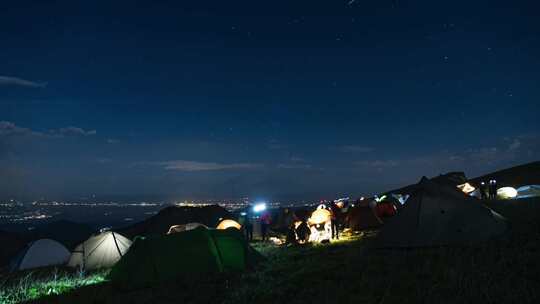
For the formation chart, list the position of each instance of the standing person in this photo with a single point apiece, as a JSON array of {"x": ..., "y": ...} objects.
[
  {"x": 483, "y": 193},
  {"x": 334, "y": 212},
  {"x": 248, "y": 225},
  {"x": 494, "y": 189},
  {"x": 490, "y": 189},
  {"x": 265, "y": 223}
]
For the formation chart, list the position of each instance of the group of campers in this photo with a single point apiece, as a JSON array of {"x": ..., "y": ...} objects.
[
  {"x": 247, "y": 220},
  {"x": 326, "y": 222},
  {"x": 488, "y": 191},
  {"x": 300, "y": 227}
]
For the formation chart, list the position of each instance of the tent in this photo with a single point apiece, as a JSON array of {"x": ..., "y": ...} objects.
[
  {"x": 185, "y": 227},
  {"x": 438, "y": 215},
  {"x": 362, "y": 217},
  {"x": 225, "y": 224},
  {"x": 506, "y": 193},
  {"x": 100, "y": 251},
  {"x": 156, "y": 259},
  {"x": 385, "y": 209},
  {"x": 40, "y": 253},
  {"x": 466, "y": 188},
  {"x": 320, "y": 216},
  {"x": 528, "y": 191}
]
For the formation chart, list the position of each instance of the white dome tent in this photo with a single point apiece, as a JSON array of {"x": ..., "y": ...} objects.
[
  {"x": 40, "y": 253},
  {"x": 100, "y": 251},
  {"x": 506, "y": 193}
]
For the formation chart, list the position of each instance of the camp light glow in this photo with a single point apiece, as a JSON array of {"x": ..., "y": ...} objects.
[{"x": 259, "y": 207}]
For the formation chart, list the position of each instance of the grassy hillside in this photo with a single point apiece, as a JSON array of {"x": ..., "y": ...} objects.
[{"x": 348, "y": 271}]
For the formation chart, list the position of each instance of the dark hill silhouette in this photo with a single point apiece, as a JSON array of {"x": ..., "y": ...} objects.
[
  {"x": 12, "y": 243},
  {"x": 174, "y": 215},
  {"x": 526, "y": 174},
  {"x": 69, "y": 233},
  {"x": 449, "y": 179}
]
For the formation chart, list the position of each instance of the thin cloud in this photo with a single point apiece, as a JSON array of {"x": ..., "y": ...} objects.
[
  {"x": 295, "y": 159},
  {"x": 73, "y": 131},
  {"x": 379, "y": 164},
  {"x": 10, "y": 129},
  {"x": 274, "y": 144},
  {"x": 515, "y": 144},
  {"x": 15, "y": 81},
  {"x": 355, "y": 149},
  {"x": 112, "y": 141},
  {"x": 104, "y": 160},
  {"x": 193, "y": 166},
  {"x": 294, "y": 166}
]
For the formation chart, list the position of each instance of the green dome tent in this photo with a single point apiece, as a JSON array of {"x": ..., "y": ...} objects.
[{"x": 161, "y": 258}]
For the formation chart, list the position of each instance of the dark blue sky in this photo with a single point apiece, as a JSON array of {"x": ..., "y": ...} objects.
[{"x": 278, "y": 99}]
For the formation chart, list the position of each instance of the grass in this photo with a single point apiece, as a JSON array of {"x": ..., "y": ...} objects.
[
  {"x": 348, "y": 271},
  {"x": 33, "y": 285}
]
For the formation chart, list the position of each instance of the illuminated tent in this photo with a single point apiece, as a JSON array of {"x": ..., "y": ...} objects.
[
  {"x": 320, "y": 225},
  {"x": 185, "y": 227},
  {"x": 320, "y": 216},
  {"x": 100, "y": 251},
  {"x": 528, "y": 191},
  {"x": 40, "y": 253},
  {"x": 506, "y": 193},
  {"x": 437, "y": 215},
  {"x": 226, "y": 224},
  {"x": 199, "y": 251},
  {"x": 466, "y": 188},
  {"x": 362, "y": 217}
]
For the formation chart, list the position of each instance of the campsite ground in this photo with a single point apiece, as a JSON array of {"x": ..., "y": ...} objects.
[{"x": 347, "y": 271}]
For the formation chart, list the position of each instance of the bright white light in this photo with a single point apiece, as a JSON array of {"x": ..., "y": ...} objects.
[
  {"x": 243, "y": 214},
  {"x": 259, "y": 207}
]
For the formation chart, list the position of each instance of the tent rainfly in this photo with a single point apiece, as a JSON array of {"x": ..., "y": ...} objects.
[
  {"x": 40, "y": 253},
  {"x": 437, "y": 215},
  {"x": 100, "y": 251},
  {"x": 362, "y": 217},
  {"x": 528, "y": 191},
  {"x": 198, "y": 251},
  {"x": 226, "y": 224}
]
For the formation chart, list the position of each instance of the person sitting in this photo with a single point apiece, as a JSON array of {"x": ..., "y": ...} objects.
[
  {"x": 291, "y": 236},
  {"x": 303, "y": 232}
]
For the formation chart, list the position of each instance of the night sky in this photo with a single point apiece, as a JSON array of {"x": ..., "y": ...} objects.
[{"x": 278, "y": 100}]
